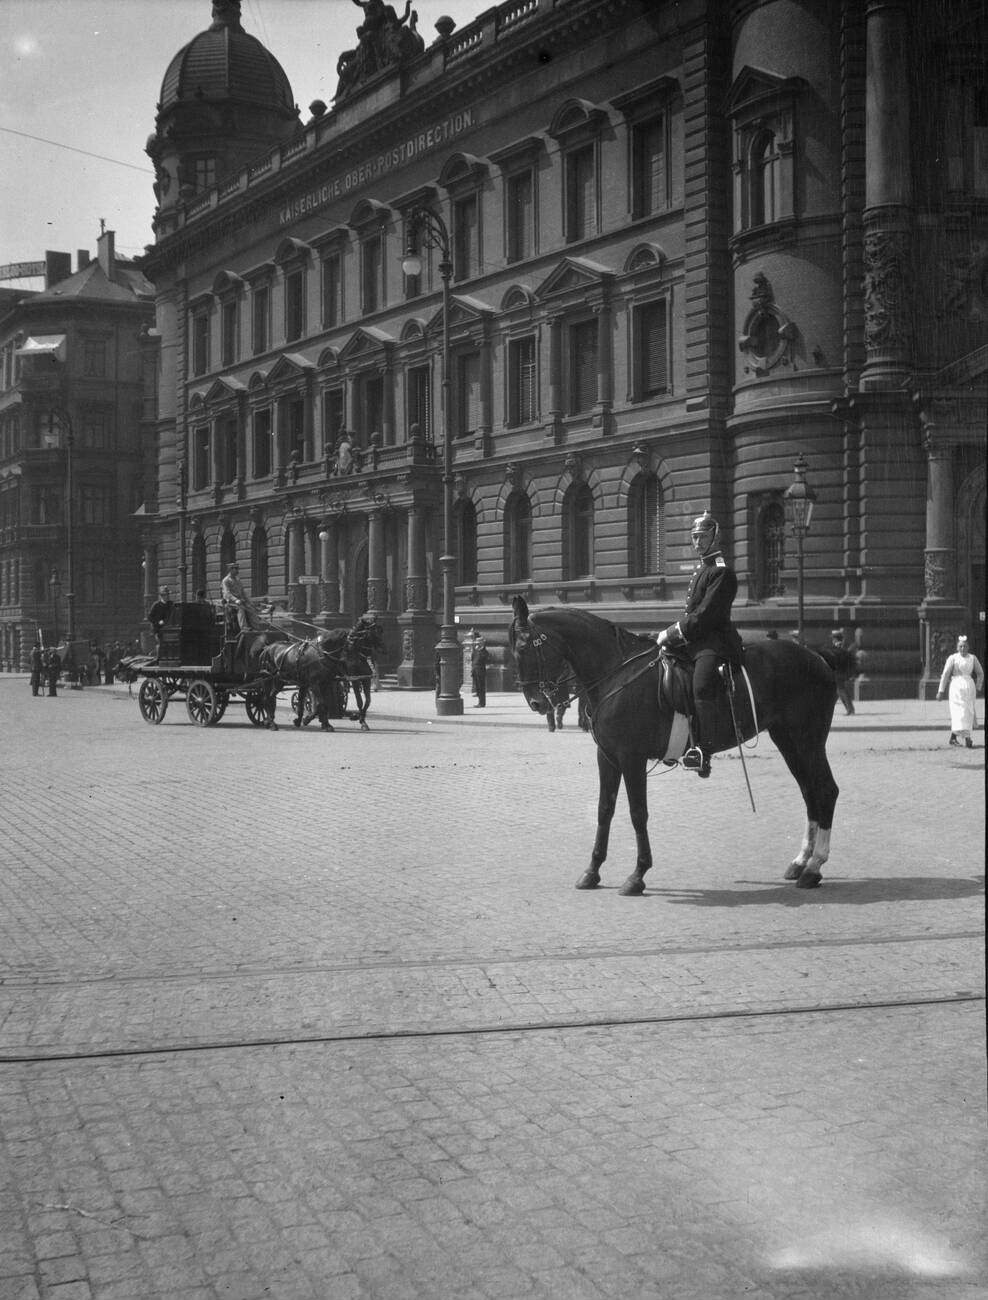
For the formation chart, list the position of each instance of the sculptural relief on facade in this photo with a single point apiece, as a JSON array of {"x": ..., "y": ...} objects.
[
  {"x": 885, "y": 300},
  {"x": 383, "y": 39}
]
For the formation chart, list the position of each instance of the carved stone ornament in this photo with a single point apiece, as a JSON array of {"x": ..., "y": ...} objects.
[
  {"x": 383, "y": 40},
  {"x": 965, "y": 284},
  {"x": 885, "y": 297},
  {"x": 937, "y": 571},
  {"x": 460, "y": 484},
  {"x": 574, "y": 466},
  {"x": 415, "y": 593},
  {"x": 641, "y": 454},
  {"x": 511, "y": 473},
  {"x": 768, "y": 334}
]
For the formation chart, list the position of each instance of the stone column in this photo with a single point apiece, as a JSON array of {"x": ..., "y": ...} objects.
[
  {"x": 483, "y": 435},
  {"x": 296, "y": 603},
  {"x": 605, "y": 379},
  {"x": 888, "y": 199},
  {"x": 377, "y": 582},
  {"x": 387, "y": 405},
  {"x": 940, "y": 615},
  {"x": 329, "y": 568},
  {"x": 417, "y": 625},
  {"x": 553, "y": 427}
]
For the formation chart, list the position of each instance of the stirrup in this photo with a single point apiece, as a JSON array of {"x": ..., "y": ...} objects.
[{"x": 696, "y": 760}]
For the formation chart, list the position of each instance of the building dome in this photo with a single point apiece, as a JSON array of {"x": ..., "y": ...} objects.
[{"x": 228, "y": 64}]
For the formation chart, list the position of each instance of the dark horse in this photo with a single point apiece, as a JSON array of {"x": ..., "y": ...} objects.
[
  {"x": 299, "y": 663},
  {"x": 633, "y": 724},
  {"x": 356, "y": 651}
]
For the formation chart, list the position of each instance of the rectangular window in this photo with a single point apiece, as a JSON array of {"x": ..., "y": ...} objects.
[
  {"x": 520, "y": 216},
  {"x": 200, "y": 458},
  {"x": 582, "y": 367},
  {"x": 581, "y": 196},
  {"x": 205, "y": 174},
  {"x": 332, "y": 291},
  {"x": 259, "y": 335},
  {"x": 370, "y": 405},
  {"x": 293, "y": 412},
  {"x": 94, "y": 358},
  {"x": 95, "y": 430},
  {"x": 332, "y": 418},
  {"x": 200, "y": 343},
  {"x": 228, "y": 330},
  {"x": 522, "y": 403},
  {"x": 651, "y": 350},
  {"x": 370, "y": 269},
  {"x": 93, "y": 581},
  {"x": 419, "y": 389},
  {"x": 648, "y": 181},
  {"x": 228, "y": 451},
  {"x": 261, "y": 449},
  {"x": 294, "y": 305},
  {"x": 467, "y": 399},
  {"x": 466, "y": 237},
  {"x": 94, "y": 503}
]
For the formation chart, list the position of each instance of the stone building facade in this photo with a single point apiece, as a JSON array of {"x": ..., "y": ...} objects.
[
  {"x": 72, "y": 359},
  {"x": 688, "y": 244}
]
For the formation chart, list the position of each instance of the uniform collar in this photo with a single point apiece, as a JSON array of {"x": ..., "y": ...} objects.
[{"x": 710, "y": 556}]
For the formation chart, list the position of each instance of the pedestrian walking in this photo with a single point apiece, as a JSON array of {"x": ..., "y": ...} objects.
[
  {"x": 37, "y": 668},
  {"x": 479, "y": 660},
  {"x": 960, "y": 681}
]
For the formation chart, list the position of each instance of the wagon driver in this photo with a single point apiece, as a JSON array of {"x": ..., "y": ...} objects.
[
  {"x": 705, "y": 633},
  {"x": 236, "y": 598}
]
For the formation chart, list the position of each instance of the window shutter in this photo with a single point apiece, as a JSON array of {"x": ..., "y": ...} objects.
[
  {"x": 652, "y": 349},
  {"x": 583, "y": 366}
]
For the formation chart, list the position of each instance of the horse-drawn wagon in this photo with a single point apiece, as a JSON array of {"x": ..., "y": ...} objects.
[
  {"x": 200, "y": 661},
  {"x": 207, "y": 662}
]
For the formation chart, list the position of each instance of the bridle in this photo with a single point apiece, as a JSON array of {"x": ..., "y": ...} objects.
[{"x": 559, "y": 686}]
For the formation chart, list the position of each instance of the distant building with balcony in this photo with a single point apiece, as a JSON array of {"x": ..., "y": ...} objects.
[
  {"x": 690, "y": 243},
  {"x": 73, "y": 365}
]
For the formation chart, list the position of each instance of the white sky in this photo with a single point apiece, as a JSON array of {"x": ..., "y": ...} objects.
[{"x": 87, "y": 74}]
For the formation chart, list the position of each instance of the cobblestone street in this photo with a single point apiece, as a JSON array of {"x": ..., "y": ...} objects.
[{"x": 302, "y": 1015}]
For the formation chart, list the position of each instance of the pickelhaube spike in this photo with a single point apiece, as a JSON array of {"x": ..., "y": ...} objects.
[{"x": 705, "y": 523}]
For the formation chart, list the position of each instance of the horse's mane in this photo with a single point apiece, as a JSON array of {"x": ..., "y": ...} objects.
[{"x": 627, "y": 642}]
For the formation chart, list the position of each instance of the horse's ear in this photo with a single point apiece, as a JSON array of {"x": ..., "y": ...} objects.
[{"x": 520, "y": 608}]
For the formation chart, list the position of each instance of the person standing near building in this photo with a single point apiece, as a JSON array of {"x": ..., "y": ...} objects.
[
  {"x": 960, "y": 681},
  {"x": 37, "y": 667},
  {"x": 845, "y": 668},
  {"x": 235, "y": 598},
  {"x": 53, "y": 667},
  {"x": 479, "y": 660}
]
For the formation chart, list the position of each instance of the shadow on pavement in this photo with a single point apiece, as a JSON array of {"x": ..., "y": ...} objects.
[{"x": 835, "y": 889}]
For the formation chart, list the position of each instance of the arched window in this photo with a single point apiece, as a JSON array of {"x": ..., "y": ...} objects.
[
  {"x": 259, "y": 563},
  {"x": 517, "y": 538},
  {"x": 645, "y": 524},
  {"x": 228, "y": 550},
  {"x": 771, "y": 550},
  {"x": 466, "y": 543},
  {"x": 198, "y": 562},
  {"x": 578, "y": 557},
  {"x": 766, "y": 162}
]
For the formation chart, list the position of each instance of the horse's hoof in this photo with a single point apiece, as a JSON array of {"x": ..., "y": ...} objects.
[
  {"x": 272, "y": 726},
  {"x": 632, "y": 886},
  {"x": 795, "y": 870},
  {"x": 589, "y": 880},
  {"x": 296, "y": 722},
  {"x": 364, "y": 727},
  {"x": 809, "y": 879}
]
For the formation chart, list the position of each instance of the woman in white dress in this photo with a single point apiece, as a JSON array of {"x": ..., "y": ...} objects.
[{"x": 962, "y": 678}]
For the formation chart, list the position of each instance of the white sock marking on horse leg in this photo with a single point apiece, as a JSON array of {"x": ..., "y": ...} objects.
[
  {"x": 821, "y": 850},
  {"x": 806, "y": 848}
]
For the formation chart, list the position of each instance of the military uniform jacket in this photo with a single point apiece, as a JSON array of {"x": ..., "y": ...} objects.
[{"x": 706, "y": 623}]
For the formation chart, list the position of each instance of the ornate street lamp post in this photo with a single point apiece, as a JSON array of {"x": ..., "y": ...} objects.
[
  {"x": 799, "y": 497},
  {"x": 425, "y": 226},
  {"x": 55, "y": 588}
]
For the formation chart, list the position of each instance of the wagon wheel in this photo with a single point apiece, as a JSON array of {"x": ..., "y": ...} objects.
[
  {"x": 256, "y": 708},
  {"x": 295, "y": 701},
  {"x": 152, "y": 700},
  {"x": 342, "y": 694},
  {"x": 222, "y": 700},
  {"x": 201, "y": 703}
]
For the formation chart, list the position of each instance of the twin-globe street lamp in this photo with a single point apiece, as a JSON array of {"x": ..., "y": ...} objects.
[
  {"x": 425, "y": 226},
  {"x": 799, "y": 498}
]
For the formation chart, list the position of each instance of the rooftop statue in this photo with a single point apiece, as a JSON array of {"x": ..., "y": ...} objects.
[{"x": 383, "y": 39}]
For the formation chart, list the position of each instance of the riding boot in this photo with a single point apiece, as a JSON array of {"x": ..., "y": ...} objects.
[{"x": 697, "y": 759}]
